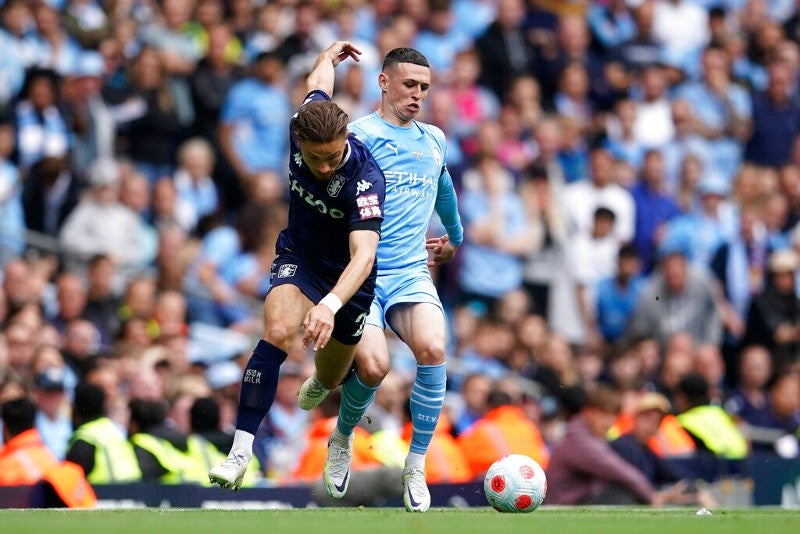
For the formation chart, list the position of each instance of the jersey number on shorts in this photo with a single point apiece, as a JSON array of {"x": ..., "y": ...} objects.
[{"x": 361, "y": 320}]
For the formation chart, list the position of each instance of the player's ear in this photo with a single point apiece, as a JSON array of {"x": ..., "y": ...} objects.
[{"x": 383, "y": 81}]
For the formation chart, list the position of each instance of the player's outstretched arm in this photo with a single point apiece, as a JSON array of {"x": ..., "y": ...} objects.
[
  {"x": 321, "y": 76},
  {"x": 318, "y": 323}
]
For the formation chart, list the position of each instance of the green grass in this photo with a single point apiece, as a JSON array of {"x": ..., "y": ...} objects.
[{"x": 395, "y": 521}]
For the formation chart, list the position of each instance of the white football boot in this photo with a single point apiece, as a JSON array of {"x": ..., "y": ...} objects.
[
  {"x": 229, "y": 474},
  {"x": 416, "y": 496},
  {"x": 336, "y": 473}
]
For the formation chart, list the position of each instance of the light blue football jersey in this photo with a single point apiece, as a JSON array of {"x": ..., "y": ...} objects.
[{"x": 417, "y": 182}]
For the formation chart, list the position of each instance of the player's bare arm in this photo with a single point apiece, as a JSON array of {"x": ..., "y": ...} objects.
[
  {"x": 321, "y": 76},
  {"x": 318, "y": 322}
]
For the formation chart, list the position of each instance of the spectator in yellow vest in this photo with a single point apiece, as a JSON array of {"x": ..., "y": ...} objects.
[
  {"x": 162, "y": 451},
  {"x": 711, "y": 427},
  {"x": 98, "y": 445}
]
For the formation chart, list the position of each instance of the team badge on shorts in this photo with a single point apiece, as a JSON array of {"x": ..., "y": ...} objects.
[{"x": 287, "y": 271}]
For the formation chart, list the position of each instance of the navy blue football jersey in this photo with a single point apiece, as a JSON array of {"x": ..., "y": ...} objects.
[{"x": 323, "y": 213}]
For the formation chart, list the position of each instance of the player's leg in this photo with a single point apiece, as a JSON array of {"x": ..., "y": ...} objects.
[
  {"x": 358, "y": 390},
  {"x": 356, "y": 397},
  {"x": 331, "y": 365},
  {"x": 371, "y": 370},
  {"x": 333, "y": 362},
  {"x": 372, "y": 364},
  {"x": 284, "y": 310},
  {"x": 422, "y": 327},
  {"x": 371, "y": 354}
]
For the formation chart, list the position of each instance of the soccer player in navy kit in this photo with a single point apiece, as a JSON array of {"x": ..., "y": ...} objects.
[
  {"x": 323, "y": 278},
  {"x": 412, "y": 156}
]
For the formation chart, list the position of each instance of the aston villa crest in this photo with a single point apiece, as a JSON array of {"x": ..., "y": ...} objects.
[{"x": 335, "y": 185}]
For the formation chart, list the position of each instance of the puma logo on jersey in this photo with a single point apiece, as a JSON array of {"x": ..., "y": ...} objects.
[{"x": 393, "y": 148}]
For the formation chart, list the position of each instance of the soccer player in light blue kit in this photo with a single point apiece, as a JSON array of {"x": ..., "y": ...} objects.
[{"x": 412, "y": 157}]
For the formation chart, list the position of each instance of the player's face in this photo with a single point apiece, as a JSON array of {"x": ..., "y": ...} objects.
[
  {"x": 405, "y": 86},
  {"x": 323, "y": 158}
]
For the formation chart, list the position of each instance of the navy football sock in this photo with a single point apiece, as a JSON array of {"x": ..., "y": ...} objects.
[{"x": 259, "y": 383}]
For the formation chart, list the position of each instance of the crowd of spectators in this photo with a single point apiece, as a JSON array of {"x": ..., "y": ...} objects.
[{"x": 629, "y": 181}]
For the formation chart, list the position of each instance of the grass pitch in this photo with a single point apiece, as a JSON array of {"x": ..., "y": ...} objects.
[{"x": 394, "y": 521}]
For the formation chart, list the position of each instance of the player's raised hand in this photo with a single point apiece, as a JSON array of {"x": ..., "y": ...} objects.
[
  {"x": 321, "y": 77},
  {"x": 341, "y": 50},
  {"x": 442, "y": 250},
  {"x": 318, "y": 326}
]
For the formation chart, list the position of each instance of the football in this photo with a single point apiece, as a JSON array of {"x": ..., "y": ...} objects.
[{"x": 515, "y": 484}]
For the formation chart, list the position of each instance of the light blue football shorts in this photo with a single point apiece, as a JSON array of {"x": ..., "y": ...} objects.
[{"x": 401, "y": 287}]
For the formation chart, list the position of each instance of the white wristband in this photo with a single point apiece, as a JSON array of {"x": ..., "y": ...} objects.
[{"x": 333, "y": 302}]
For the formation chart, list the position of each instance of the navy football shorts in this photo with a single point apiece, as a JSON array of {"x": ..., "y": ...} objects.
[{"x": 315, "y": 283}]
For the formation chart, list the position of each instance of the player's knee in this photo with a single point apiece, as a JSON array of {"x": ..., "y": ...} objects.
[
  {"x": 431, "y": 354},
  {"x": 372, "y": 371},
  {"x": 279, "y": 335}
]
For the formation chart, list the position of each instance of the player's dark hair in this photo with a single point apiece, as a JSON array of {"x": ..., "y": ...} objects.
[
  {"x": 320, "y": 121},
  {"x": 404, "y": 55}
]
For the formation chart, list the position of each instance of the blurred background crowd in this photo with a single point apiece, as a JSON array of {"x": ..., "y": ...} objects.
[{"x": 629, "y": 181}]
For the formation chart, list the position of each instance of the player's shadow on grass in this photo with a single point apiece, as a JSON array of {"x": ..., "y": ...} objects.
[{"x": 380, "y": 486}]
